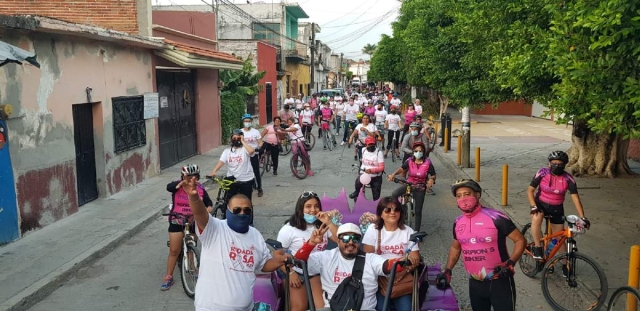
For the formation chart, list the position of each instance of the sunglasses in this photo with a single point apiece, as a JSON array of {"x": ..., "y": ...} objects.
[
  {"x": 245, "y": 210},
  {"x": 345, "y": 238},
  {"x": 308, "y": 194},
  {"x": 388, "y": 210}
]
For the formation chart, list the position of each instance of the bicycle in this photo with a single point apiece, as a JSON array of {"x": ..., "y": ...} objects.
[
  {"x": 299, "y": 164},
  {"x": 630, "y": 293},
  {"x": 190, "y": 263},
  {"x": 286, "y": 146},
  {"x": 551, "y": 244},
  {"x": 382, "y": 131},
  {"x": 265, "y": 161},
  {"x": 395, "y": 153},
  {"x": 309, "y": 138},
  {"x": 407, "y": 201},
  {"x": 431, "y": 134},
  {"x": 328, "y": 138},
  {"x": 220, "y": 206}
]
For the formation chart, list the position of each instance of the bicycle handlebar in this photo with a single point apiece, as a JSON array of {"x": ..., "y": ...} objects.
[
  {"x": 406, "y": 183},
  {"x": 224, "y": 183}
]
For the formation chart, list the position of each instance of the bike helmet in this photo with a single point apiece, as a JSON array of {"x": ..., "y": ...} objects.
[
  {"x": 558, "y": 155},
  {"x": 465, "y": 183},
  {"x": 237, "y": 132},
  {"x": 418, "y": 144},
  {"x": 370, "y": 141},
  {"x": 247, "y": 116},
  {"x": 190, "y": 170},
  {"x": 415, "y": 124},
  {"x": 323, "y": 99}
]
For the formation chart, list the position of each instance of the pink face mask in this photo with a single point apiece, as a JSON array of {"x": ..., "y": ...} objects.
[{"x": 467, "y": 204}]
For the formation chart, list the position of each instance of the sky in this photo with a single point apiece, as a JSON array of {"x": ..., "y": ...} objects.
[{"x": 346, "y": 25}]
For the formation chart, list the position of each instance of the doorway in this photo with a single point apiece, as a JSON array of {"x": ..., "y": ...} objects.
[
  {"x": 269, "y": 105},
  {"x": 85, "y": 153}
]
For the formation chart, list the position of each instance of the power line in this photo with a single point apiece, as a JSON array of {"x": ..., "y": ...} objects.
[
  {"x": 350, "y": 12},
  {"x": 351, "y": 24},
  {"x": 362, "y": 30},
  {"x": 357, "y": 18}
]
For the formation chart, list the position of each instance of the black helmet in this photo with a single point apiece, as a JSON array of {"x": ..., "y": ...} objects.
[
  {"x": 237, "y": 132},
  {"x": 465, "y": 183},
  {"x": 558, "y": 155},
  {"x": 415, "y": 124}
]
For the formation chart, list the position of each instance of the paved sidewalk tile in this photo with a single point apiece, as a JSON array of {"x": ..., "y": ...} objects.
[{"x": 36, "y": 264}]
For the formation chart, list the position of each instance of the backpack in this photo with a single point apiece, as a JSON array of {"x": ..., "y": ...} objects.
[{"x": 350, "y": 293}]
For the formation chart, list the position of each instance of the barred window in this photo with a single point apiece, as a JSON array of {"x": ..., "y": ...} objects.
[{"x": 129, "y": 130}]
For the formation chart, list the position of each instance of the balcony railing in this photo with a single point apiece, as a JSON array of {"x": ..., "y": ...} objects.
[{"x": 297, "y": 51}]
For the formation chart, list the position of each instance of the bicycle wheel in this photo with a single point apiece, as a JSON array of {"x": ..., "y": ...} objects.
[
  {"x": 622, "y": 297},
  {"x": 329, "y": 141},
  {"x": 310, "y": 142},
  {"x": 263, "y": 164},
  {"x": 433, "y": 138},
  {"x": 585, "y": 287},
  {"x": 189, "y": 270},
  {"x": 286, "y": 147},
  {"x": 529, "y": 266},
  {"x": 409, "y": 213},
  {"x": 219, "y": 211},
  {"x": 269, "y": 163},
  {"x": 393, "y": 149},
  {"x": 299, "y": 166}
]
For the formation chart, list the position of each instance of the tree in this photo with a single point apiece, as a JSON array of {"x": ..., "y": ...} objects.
[
  {"x": 369, "y": 49},
  {"x": 349, "y": 75},
  {"x": 386, "y": 61}
]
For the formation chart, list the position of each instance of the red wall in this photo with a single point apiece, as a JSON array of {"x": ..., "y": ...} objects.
[
  {"x": 201, "y": 24},
  {"x": 267, "y": 62},
  {"x": 506, "y": 108},
  {"x": 208, "y": 110},
  {"x": 634, "y": 149}
]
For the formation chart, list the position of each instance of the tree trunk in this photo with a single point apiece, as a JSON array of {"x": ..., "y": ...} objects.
[
  {"x": 602, "y": 155},
  {"x": 444, "y": 103}
]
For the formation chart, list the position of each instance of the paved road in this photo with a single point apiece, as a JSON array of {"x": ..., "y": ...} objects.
[{"x": 129, "y": 278}]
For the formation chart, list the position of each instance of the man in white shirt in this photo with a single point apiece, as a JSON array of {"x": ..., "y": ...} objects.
[
  {"x": 395, "y": 101},
  {"x": 237, "y": 158},
  {"x": 350, "y": 118},
  {"x": 372, "y": 165},
  {"x": 232, "y": 252},
  {"x": 380, "y": 116},
  {"x": 289, "y": 101},
  {"x": 335, "y": 265},
  {"x": 254, "y": 139}
]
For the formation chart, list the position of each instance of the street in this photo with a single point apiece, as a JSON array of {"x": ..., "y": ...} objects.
[{"x": 129, "y": 278}]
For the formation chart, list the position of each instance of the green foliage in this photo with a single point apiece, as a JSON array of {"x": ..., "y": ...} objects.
[
  {"x": 369, "y": 49},
  {"x": 386, "y": 62},
  {"x": 233, "y": 107},
  {"x": 349, "y": 75}
]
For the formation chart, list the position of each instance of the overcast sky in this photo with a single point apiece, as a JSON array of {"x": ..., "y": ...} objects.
[{"x": 347, "y": 25}]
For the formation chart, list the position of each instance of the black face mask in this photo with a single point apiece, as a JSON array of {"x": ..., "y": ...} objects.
[
  {"x": 379, "y": 108},
  {"x": 236, "y": 143},
  {"x": 393, "y": 112},
  {"x": 371, "y": 148},
  {"x": 557, "y": 169}
]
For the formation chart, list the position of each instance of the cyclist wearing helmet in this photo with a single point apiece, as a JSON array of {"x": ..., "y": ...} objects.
[
  {"x": 180, "y": 205},
  {"x": 237, "y": 158},
  {"x": 373, "y": 165},
  {"x": 254, "y": 139},
  {"x": 318, "y": 114},
  {"x": 362, "y": 131},
  {"x": 552, "y": 183},
  {"x": 414, "y": 136},
  {"x": 421, "y": 173},
  {"x": 351, "y": 111},
  {"x": 480, "y": 235},
  {"x": 325, "y": 118}
]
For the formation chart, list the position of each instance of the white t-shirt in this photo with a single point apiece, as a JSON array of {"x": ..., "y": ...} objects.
[
  {"x": 371, "y": 160},
  {"x": 392, "y": 243},
  {"x": 361, "y": 134},
  {"x": 293, "y": 239},
  {"x": 395, "y": 102},
  {"x": 333, "y": 268},
  {"x": 228, "y": 262},
  {"x": 299, "y": 104},
  {"x": 238, "y": 163},
  {"x": 297, "y": 136},
  {"x": 380, "y": 116},
  {"x": 339, "y": 109},
  {"x": 393, "y": 122},
  {"x": 306, "y": 116},
  {"x": 289, "y": 101},
  {"x": 351, "y": 111},
  {"x": 251, "y": 138},
  {"x": 418, "y": 109}
]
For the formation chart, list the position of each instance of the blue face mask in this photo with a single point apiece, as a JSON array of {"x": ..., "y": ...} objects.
[
  {"x": 418, "y": 154},
  {"x": 310, "y": 218},
  {"x": 414, "y": 133},
  {"x": 238, "y": 222}
]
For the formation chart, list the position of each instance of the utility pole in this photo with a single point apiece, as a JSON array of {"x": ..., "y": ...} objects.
[
  {"x": 340, "y": 75},
  {"x": 313, "y": 60}
]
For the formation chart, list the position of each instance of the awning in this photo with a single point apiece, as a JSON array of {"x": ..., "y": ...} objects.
[
  {"x": 14, "y": 54},
  {"x": 190, "y": 56}
]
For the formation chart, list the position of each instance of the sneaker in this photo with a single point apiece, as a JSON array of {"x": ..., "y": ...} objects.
[
  {"x": 260, "y": 193},
  {"x": 342, "y": 143},
  {"x": 275, "y": 173},
  {"x": 537, "y": 253},
  {"x": 565, "y": 270},
  {"x": 355, "y": 158},
  {"x": 324, "y": 148},
  {"x": 430, "y": 192},
  {"x": 167, "y": 283},
  {"x": 353, "y": 195}
]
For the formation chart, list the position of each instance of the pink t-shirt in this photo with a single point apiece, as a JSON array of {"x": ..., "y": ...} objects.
[
  {"x": 271, "y": 135},
  {"x": 410, "y": 116}
]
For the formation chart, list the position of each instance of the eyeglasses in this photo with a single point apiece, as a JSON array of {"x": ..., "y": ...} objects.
[
  {"x": 245, "y": 210},
  {"x": 355, "y": 238},
  {"x": 308, "y": 194},
  {"x": 388, "y": 210}
]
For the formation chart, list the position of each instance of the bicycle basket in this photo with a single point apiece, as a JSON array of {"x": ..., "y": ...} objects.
[{"x": 576, "y": 225}]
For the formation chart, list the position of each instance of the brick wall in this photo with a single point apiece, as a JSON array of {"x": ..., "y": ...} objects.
[
  {"x": 634, "y": 149},
  {"x": 113, "y": 14}
]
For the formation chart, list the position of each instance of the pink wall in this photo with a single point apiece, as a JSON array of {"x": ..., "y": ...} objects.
[
  {"x": 267, "y": 62},
  {"x": 201, "y": 24},
  {"x": 207, "y": 110}
]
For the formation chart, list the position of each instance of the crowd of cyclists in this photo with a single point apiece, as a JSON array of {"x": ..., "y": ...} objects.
[{"x": 233, "y": 250}]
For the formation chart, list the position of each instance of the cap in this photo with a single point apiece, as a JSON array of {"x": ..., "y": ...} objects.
[
  {"x": 370, "y": 141},
  {"x": 349, "y": 228}
]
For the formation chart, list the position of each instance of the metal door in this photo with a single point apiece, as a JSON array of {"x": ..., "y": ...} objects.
[
  {"x": 8, "y": 206},
  {"x": 85, "y": 153},
  {"x": 269, "y": 105},
  {"x": 177, "y": 122}
]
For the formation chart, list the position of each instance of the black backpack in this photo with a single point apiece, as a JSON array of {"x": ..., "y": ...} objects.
[{"x": 350, "y": 293}]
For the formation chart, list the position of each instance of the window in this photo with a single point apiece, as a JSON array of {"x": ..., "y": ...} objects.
[
  {"x": 267, "y": 32},
  {"x": 129, "y": 130}
]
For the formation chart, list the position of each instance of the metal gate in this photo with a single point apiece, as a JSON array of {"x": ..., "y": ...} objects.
[
  {"x": 177, "y": 120},
  {"x": 85, "y": 153},
  {"x": 269, "y": 105}
]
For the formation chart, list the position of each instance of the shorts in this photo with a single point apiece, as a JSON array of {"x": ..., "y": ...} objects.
[
  {"x": 281, "y": 274},
  {"x": 175, "y": 228},
  {"x": 556, "y": 212}
]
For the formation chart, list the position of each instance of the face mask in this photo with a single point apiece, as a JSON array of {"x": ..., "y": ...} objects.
[
  {"x": 236, "y": 143},
  {"x": 238, "y": 222},
  {"x": 307, "y": 108},
  {"x": 467, "y": 204},
  {"x": 247, "y": 124},
  {"x": 310, "y": 218},
  {"x": 371, "y": 148},
  {"x": 393, "y": 112},
  {"x": 414, "y": 133},
  {"x": 557, "y": 169},
  {"x": 380, "y": 108},
  {"x": 418, "y": 154}
]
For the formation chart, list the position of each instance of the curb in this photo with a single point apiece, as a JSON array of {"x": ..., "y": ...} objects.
[{"x": 35, "y": 293}]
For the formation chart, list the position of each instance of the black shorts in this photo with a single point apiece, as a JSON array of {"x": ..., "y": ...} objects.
[
  {"x": 175, "y": 228},
  {"x": 555, "y": 211}
]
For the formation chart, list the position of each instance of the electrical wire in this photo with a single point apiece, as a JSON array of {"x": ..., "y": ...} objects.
[
  {"x": 361, "y": 30},
  {"x": 357, "y": 18},
  {"x": 350, "y": 12}
]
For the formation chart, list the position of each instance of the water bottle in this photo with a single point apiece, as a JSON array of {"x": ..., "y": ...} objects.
[{"x": 551, "y": 245}]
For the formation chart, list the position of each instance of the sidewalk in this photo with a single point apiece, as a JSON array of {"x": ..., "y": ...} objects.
[
  {"x": 524, "y": 143},
  {"x": 34, "y": 266}
]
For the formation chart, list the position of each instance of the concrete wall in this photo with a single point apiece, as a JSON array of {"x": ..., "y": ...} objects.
[
  {"x": 242, "y": 48},
  {"x": 299, "y": 72},
  {"x": 208, "y": 110},
  {"x": 267, "y": 61},
  {"x": 41, "y": 128},
  {"x": 119, "y": 15}
]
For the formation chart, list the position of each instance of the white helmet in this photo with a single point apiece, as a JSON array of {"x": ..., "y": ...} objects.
[{"x": 190, "y": 170}]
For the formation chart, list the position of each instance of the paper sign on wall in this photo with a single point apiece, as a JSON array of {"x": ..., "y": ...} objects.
[
  {"x": 151, "y": 105},
  {"x": 164, "y": 102}
]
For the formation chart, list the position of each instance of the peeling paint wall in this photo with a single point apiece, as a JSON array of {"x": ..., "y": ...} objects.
[{"x": 42, "y": 129}]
